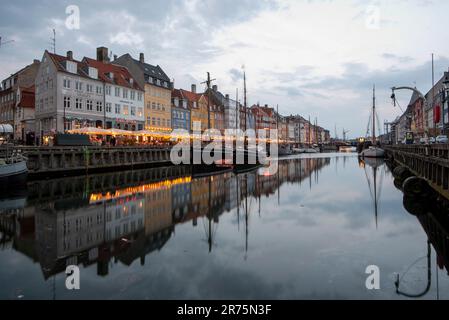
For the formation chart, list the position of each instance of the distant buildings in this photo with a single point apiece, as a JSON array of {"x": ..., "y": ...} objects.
[{"x": 60, "y": 93}]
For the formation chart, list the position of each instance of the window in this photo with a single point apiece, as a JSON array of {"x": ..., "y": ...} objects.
[
  {"x": 107, "y": 90},
  {"x": 67, "y": 83},
  {"x": 159, "y": 106},
  {"x": 168, "y": 123},
  {"x": 89, "y": 105},
  {"x": 109, "y": 107},
  {"x": 99, "y": 90},
  {"x": 79, "y": 86},
  {"x": 71, "y": 67},
  {"x": 89, "y": 88},
  {"x": 153, "y": 121},
  {"x": 66, "y": 102},
  {"x": 99, "y": 106},
  {"x": 139, "y": 96},
  {"x": 117, "y": 92},
  {"x": 78, "y": 103},
  {"x": 159, "y": 122},
  {"x": 176, "y": 103},
  {"x": 125, "y": 110},
  {"x": 139, "y": 112},
  {"x": 133, "y": 111},
  {"x": 117, "y": 109},
  {"x": 153, "y": 106},
  {"x": 125, "y": 94},
  {"x": 133, "y": 95}
]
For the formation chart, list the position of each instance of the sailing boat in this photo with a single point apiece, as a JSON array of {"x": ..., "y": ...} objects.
[{"x": 373, "y": 151}]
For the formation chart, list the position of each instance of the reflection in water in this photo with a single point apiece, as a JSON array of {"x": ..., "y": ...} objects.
[
  {"x": 123, "y": 219},
  {"x": 124, "y": 216}
]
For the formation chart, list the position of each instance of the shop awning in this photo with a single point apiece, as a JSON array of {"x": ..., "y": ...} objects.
[{"x": 6, "y": 129}]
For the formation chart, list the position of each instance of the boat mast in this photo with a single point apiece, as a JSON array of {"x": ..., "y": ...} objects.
[{"x": 374, "y": 115}]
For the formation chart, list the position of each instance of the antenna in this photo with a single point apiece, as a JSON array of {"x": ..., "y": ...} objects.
[
  {"x": 5, "y": 42},
  {"x": 53, "y": 42}
]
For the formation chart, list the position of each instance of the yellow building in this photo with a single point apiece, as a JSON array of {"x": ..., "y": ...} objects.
[
  {"x": 199, "y": 113},
  {"x": 157, "y": 91}
]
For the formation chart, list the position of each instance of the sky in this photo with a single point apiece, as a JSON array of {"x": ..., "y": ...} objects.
[{"x": 317, "y": 58}]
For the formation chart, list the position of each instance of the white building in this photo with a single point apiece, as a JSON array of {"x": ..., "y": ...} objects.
[
  {"x": 124, "y": 98},
  {"x": 69, "y": 95}
]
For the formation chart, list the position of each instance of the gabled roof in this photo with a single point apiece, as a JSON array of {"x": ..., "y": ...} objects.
[
  {"x": 59, "y": 61},
  {"x": 150, "y": 70},
  {"x": 414, "y": 98},
  {"x": 121, "y": 74}
]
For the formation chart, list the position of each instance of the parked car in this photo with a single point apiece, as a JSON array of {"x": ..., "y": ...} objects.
[
  {"x": 432, "y": 140},
  {"x": 442, "y": 139},
  {"x": 424, "y": 141}
]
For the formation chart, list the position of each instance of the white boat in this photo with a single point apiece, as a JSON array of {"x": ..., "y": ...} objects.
[
  {"x": 12, "y": 164},
  {"x": 311, "y": 150},
  {"x": 373, "y": 152}
]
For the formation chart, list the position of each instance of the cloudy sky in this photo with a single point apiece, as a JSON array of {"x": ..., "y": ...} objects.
[{"x": 312, "y": 57}]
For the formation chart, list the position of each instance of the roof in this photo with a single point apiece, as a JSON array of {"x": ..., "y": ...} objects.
[
  {"x": 414, "y": 98},
  {"x": 148, "y": 69},
  {"x": 59, "y": 62},
  {"x": 121, "y": 74}
]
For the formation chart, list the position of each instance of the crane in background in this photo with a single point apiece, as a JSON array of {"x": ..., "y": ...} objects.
[{"x": 345, "y": 132}]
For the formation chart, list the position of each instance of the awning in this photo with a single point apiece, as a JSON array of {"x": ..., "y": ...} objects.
[
  {"x": 89, "y": 131},
  {"x": 6, "y": 128}
]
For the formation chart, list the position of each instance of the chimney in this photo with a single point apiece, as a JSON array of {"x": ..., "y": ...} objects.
[
  {"x": 227, "y": 97},
  {"x": 35, "y": 61},
  {"x": 70, "y": 55},
  {"x": 194, "y": 88},
  {"x": 215, "y": 88},
  {"x": 142, "y": 58},
  {"x": 102, "y": 54},
  {"x": 115, "y": 57}
]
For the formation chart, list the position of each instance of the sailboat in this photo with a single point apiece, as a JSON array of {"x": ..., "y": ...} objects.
[{"x": 373, "y": 151}]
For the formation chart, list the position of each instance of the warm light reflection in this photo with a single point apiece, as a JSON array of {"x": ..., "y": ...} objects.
[{"x": 121, "y": 193}]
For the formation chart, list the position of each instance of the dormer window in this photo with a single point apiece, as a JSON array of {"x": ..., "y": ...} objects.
[
  {"x": 176, "y": 102},
  {"x": 93, "y": 73},
  {"x": 71, "y": 66},
  {"x": 111, "y": 75}
]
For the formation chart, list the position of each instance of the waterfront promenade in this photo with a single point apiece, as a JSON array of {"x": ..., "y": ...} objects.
[{"x": 430, "y": 162}]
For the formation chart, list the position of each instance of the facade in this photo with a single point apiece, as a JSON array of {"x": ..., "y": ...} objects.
[
  {"x": 69, "y": 95},
  {"x": 434, "y": 112},
  {"x": 265, "y": 119},
  {"x": 10, "y": 96},
  {"x": 200, "y": 114},
  {"x": 124, "y": 98},
  {"x": 182, "y": 103},
  {"x": 24, "y": 120},
  {"x": 158, "y": 90}
]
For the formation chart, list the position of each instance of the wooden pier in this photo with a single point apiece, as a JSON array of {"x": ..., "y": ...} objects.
[{"x": 430, "y": 162}]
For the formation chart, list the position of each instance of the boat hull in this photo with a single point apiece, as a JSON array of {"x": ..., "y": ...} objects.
[
  {"x": 373, "y": 153},
  {"x": 13, "y": 169}
]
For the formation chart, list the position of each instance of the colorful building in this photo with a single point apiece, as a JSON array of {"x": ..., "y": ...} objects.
[
  {"x": 10, "y": 110},
  {"x": 180, "y": 109},
  {"x": 158, "y": 90}
]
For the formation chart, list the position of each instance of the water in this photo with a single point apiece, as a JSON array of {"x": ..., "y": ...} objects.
[{"x": 308, "y": 232}]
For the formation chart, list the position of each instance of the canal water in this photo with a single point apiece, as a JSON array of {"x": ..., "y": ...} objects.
[{"x": 310, "y": 231}]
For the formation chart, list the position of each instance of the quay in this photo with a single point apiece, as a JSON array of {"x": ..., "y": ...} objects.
[
  {"x": 57, "y": 161},
  {"x": 430, "y": 162}
]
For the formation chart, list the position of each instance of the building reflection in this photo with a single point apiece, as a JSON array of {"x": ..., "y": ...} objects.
[{"x": 125, "y": 216}]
